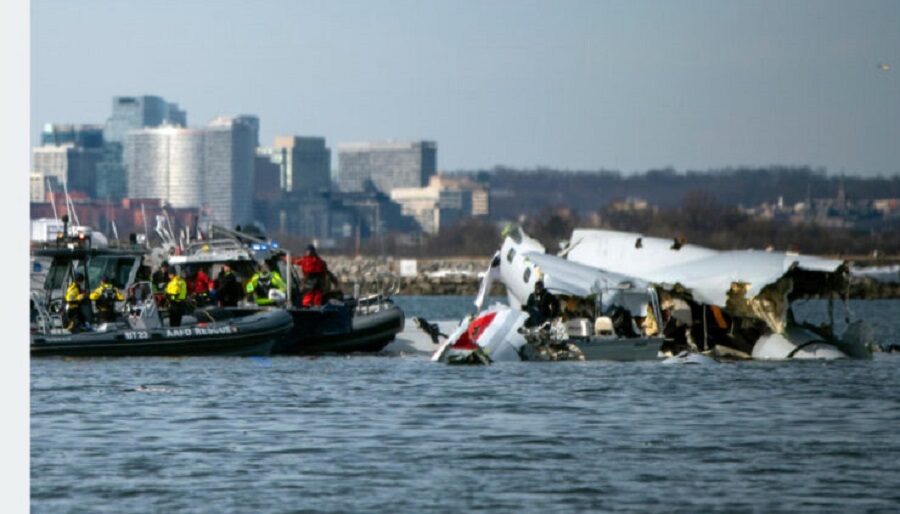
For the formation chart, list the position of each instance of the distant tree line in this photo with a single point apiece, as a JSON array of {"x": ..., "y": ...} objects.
[
  {"x": 697, "y": 207},
  {"x": 699, "y": 218},
  {"x": 522, "y": 191}
]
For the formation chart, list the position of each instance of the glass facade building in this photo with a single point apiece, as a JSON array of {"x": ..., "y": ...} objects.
[
  {"x": 73, "y": 165},
  {"x": 209, "y": 168},
  {"x": 137, "y": 112},
  {"x": 385, "y": 166},
  {"x": 305, "y": 163},
  {"x": 85, "y": 136},
  {"x": 111, "y": 178}
]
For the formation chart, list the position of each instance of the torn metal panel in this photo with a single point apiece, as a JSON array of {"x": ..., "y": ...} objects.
[{"x": 707, "y": 274}]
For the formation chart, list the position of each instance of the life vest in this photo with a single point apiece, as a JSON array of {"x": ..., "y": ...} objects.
[
  {"x": 105, "y": 296},
  {"x": 74, "y": 295},
  {"x": 263, "y": 284},
  {"x": 312, "y": 265},
  {"x": 176, "y": 289}
]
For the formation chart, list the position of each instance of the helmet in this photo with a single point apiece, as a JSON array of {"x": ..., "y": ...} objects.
[
  {"x": 79, "y": 277},
  {"x": 104, "y": 278}
]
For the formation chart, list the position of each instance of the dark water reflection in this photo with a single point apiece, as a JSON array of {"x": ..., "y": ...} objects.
[{"x": 404, "y": 435}]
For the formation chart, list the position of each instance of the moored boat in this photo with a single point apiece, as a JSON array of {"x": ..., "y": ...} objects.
[
  {"x": 343, "y": 324},
  {"x": 365, "y": 326},
  {"x": 252, "y": 335}
]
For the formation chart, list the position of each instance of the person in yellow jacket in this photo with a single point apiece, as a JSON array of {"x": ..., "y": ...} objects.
[
  {"x": 262, "y": 282},
  {"x": 176, "y": 294},
  {"x": 75, "y": 295},
  {"x": 105, "y": 298}
]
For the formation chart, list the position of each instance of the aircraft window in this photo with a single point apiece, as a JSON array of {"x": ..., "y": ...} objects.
[
  {"x": 527, "y": 275},
  {"x": 510, "y": 254}
]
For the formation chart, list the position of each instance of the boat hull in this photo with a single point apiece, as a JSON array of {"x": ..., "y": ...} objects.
[
  {"x": 331, "y": 329},
  {"x": 253, "y": 335},
  {"x": 369, "y": 333}
]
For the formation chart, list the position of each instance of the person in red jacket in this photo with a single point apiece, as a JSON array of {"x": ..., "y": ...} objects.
[
  {"x": 199, "y": 286},
  {"x": 315, "y": 273}
]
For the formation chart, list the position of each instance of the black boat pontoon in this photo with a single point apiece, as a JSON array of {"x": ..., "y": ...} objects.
[
  {"x": 247, "y": 335},
  {"x": 343, "y": 324}
]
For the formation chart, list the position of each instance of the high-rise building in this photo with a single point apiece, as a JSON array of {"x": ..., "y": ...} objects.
[
  {"x": 385, "y": 166},
  {"x": 111, "y": 177},
  {"x": 39, "y": 187},
  {"x": 209, "y": 167},
  {"x": 305, "y": 163},
  {"x": 230, "y": 147},
  {"x": 75, "y": 166},
  {"x": 443, "y": 202},
  {"x": 137, "y": 112},
  {"x": 85, "y": 136}
]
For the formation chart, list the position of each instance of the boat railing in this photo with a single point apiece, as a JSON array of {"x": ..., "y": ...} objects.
[
  {"x": 372, "y": 304},
  {"x": 44, "y": 319}
]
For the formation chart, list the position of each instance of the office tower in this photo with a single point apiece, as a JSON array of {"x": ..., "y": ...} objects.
[
  {"x": 445, "y": 201},
  {"x": 385, "y": 166},
  {"x": 229, "y": 151},
  {"x": 73, "y": 165},
  {"x": 305, "y": 163},
  {"x": 209, "y": 167},
  {"x": 111, "y": 178},
  {"x": 137, "y": 112},
  {"x": 85, "y": 136}
]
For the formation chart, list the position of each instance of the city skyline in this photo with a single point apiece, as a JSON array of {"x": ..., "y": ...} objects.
[{"x": 574, "y": 85}]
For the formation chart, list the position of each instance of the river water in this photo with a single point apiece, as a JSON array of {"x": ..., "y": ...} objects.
[{"x": 402, "y": 434}]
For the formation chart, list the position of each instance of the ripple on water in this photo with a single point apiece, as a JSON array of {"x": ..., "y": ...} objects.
[{"x": 402, "y": 434}]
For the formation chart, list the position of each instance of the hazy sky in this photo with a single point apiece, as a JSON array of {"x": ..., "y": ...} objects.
[{"x": 627, "y": 85}]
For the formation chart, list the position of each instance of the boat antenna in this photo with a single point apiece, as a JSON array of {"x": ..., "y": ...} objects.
[
  {"x": 146, "y": 228},
  {"x": 115, "y": 230},
  {"x": 52, "y": 197},
  {"x": 69, "y": 205},
  {"x": 171, "y": 232}
]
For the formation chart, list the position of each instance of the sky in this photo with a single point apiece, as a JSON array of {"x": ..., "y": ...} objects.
[{"x": 579, "y": 85}]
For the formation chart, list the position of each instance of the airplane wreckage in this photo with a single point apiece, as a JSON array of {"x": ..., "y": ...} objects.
[{"x": 625, "y": 296}]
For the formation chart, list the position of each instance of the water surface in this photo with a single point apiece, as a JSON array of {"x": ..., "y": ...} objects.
[{"x": 374, "y": 433}]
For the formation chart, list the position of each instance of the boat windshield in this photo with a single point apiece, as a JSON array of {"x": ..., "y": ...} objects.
[
  {"x": 117, "y": 267},
  {"x": 56, "y": 275}
]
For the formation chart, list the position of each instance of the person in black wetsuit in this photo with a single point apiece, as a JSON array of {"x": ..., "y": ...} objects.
[
  {"x": 228, "y": 288},
  {"x": 541, "y": 306}
]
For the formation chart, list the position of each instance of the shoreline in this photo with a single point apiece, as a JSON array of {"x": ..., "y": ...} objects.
[{"x": 460, "y": 276}]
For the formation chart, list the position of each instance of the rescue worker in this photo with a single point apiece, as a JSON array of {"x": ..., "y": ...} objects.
[
  {"x": 75, "y": 316},
  {"x": 315, "y": 273},
  {"x": 160, "y": 277},
  {"x": 541, "y": 306},
  {"x": 176, "y": 294},
  {"x": 105, "y": 297},
  {"x": 262, "y": 282},
  {"x": 199, "y": 287},
  {"x": 227, "y": 287}
]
